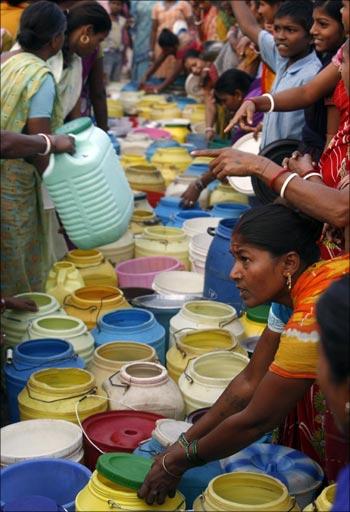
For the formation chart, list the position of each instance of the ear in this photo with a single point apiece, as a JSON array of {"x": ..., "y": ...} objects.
[
  {"x": 88, "y": 30},
  {"x": 238, "y": 95},
  {"x": 291, "y": 263}
]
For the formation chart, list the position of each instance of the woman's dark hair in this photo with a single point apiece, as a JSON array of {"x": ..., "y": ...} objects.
[
  {"x": 279, "y": 230},
  {"x": 40, "y": 22},
  {"x": 273, "y": 2},
  {"x": 192, "y": 54},
  {"x": 88, "y": 13},
  {"x": 167, "y": 39},
  {"x": 300, "y": 12},
  {"x": 231, "y": 80},
  {"x": 333, "y": 313},
  {"x": 331, "y": 7}
]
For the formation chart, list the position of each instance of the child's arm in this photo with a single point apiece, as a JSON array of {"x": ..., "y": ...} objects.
[
  {"x": 246, "y": 21},
  {"x": 156, "y": 64}
]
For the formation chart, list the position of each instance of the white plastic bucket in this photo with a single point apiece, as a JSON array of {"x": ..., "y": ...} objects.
[
  {"x": 199, "y": 225},
  {"x": 180, "y": 283},
  {"x": 198, "y": 250}
]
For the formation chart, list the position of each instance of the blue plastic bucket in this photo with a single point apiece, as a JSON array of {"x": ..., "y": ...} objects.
[
  {"x": 31, "y": 356},
  {"x": 31, "y": 503},
  {"x": 134, "y": 324},
  {"x": 168, "y": 207},
  {"x": 196, "y": 169},
  {"x": 198, "y": 140},
  {"x": 57, "y": 479},
  {"x": 181, "y": 217},
  {"x": 194, "y": 481},
  {"x": 229, "y": 210},
  {"x": 217, "y": 282}
]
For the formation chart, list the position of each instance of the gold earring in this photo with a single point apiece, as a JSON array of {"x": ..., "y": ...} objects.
[
  {"x": 289, "y": 282},
  {"x": 84, "y": 39}
]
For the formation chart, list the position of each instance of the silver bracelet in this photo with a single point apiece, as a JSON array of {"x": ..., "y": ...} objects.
[
  {"x": 312, "y": 174},
  {"x": 272, "y": 101},
  {"x": 286, "y": 183},
  {"x": 48, "y": 144}
]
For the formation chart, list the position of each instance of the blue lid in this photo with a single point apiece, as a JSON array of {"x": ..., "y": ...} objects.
[{"x": 31, "y": 504}]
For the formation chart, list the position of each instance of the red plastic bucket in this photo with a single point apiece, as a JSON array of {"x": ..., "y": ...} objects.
[
  {"x": 116, "y": 431},
  {"x": 154, "y": 198}
]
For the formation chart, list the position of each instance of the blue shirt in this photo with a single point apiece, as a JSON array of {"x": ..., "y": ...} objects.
[
  {"x": 278, "y": 317},
  {"x": 41, "y": 104},
  {"x": 285, "y": 125}
]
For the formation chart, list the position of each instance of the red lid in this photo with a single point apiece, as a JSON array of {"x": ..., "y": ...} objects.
[{"x": 122, "y": 431}]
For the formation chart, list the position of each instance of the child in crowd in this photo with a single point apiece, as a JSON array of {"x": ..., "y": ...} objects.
[{"x": 116, "y": 42}]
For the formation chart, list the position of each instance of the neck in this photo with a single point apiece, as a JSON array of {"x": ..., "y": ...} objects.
[
  {"x": 299, "y": 56},
  {"x": 42, "y": 53}
]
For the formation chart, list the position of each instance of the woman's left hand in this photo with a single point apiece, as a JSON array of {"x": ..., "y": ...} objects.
[
  {"x": 158, "y": 483},
  {"x": 299, "y": 163},
  {"x": 228, "y": 162}
]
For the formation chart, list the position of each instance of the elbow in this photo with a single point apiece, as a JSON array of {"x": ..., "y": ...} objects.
[{"x": 341, "y": 214}]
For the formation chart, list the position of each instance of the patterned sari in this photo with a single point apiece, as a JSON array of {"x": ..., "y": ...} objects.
[{"x": 24, "y": 251}]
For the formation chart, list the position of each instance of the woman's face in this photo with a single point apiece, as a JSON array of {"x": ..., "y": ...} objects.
[
  {"x": 83, "y": 41},
  {"x": 231, "y": 102},
  {"x": 194, "y": 65},
  {"x": 258, "y": 275},
  {"x": 267, "y": 11},
  {"x": 327, "y": 33}
]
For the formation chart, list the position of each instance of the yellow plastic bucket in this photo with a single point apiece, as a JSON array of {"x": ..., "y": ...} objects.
[
  {"x": 110, "y": 357},
  {"x": 324, "y": 502},
  {"x": 145, "y": 177},
  {"x": 128, "y": 160},
  {"x": 226, "y": 194},
  {"x": 245, "y": 492},
  {"x": 141, "y": 219},
  {"x": 196, "y": 343},
  {"x": 114, "y": 108},
  {"x": 163, "y": 110},
  {"x": 56, "y": 392},
  {"x": 102, "y": 495},
  {"x": 91, "y": 302},
  {"x": 94, "y": 269}
]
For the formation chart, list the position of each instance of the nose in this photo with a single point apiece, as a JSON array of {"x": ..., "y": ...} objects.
[
  {"x": 313, "y": 30},
  {"x": 236, "y": 273}
]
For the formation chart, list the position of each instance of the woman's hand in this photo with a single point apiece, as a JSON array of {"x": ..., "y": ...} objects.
[
  {"x": 63, "y": 144},
  {"x": 190, "y": 196},
  {"x": 299, "y": 163},
  {"x": 20, "y": 304},
  {"x": 229, "y": 162},
  {"x": 243, "y": 117}
]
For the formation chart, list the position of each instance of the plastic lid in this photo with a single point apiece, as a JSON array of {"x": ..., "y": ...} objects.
[
  {"x": 124, "y": 469},
  {"x": 30, "y": 503},
  {"x": 167, "y": 431},
  {"x": 76, "y": 126},
  {"x": 259, "y": 313},
  {"x": 157, "y": 301}
]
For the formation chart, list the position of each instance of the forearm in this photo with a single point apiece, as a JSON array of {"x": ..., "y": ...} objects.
[
  {"x": 245, "y": 19},
  {"x": 99, "y": 104},
  {"x": 210, "y": 115},
  {"x": 18, "y": 145},
  {"x": 171, "y": 79}
]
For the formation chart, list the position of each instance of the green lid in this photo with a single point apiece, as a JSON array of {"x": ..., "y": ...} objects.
[
  {"x": 75, "y": 127},
  {"x": 124, "y": 469},
  {"x": 218, "y": 143},
  {"x": 259, "y": 314}
]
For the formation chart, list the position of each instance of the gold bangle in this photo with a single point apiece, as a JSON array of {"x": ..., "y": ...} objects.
[{"x": 166, "y": 469}]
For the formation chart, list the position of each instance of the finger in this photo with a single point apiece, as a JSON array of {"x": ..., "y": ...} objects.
[
  {"x": 250, "y": 114},
  {"x": 171, "y": 493},
  {"x": 285, "y": 162},
  {"x": 213, "y": 153},
  {"x": 295, "y": 154},
  {"x": 161, "y": 497},
  {"x": 143, "y": 490},
  {"x": 229, "y": 126}
]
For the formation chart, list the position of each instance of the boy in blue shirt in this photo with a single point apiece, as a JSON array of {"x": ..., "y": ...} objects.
[{"x": 288, "y": 52}]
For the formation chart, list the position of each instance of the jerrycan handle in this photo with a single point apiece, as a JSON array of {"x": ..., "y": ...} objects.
[{"x": 211, "y": 231}]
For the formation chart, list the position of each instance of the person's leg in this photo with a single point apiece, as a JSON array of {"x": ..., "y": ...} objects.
[
  {"x": 108, "y": 65},
  {"x": 117, "y": 66}
]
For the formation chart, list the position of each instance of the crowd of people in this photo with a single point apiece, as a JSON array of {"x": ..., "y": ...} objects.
[{"x": 276, "y": 68}]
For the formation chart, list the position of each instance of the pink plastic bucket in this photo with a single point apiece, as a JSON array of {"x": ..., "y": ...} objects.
[
  {"x": 154, "y": 133},
  {"x": 140, "y": 272}
]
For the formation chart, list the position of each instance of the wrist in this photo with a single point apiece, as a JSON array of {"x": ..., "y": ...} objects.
[{"x": 261, "y": 103}]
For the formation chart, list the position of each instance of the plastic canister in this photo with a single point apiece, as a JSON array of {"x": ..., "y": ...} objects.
[
  {"x": 35, "y": 439},
  {"x": 168, "y": 207},
  {"x": 218, "y": 284},
  {"x": 250, "y": 492},
  {"x": 163, "y": 110},
  {"x": 31, "y": 356},
  {"x": 254, "y": 322},
  {"x": 141, "y": 202},
  {"x": 127, "y": 160},
  {"x": 207, "y": 376},
  {"x": 57, "y": 479},
  {"x": 142, "y": 218},
  {"x": 200, "y": 226},
  {"x": 178, "y": 157},
  {"x": 67, "y": 328},
  {"x": 160, "y": 143},
  {"x": 226, "y": 194},
  {"x": 57, "y": 393},
  {"x": 115, "y": 431},
  {"x": 110, "y": 357},
  {"x": 145, "y": 177},
  {"x": 89, "y": 189},
  {"x": 229, "y": 210},
  {"x": 15, "y": 323},
  {"x": 95, "y": 270},
  {"x": 182, "y": 216},
  {"x": 134, "y": 324},
  {"x": 30, "y": 502},
  {"x": 195, "y": 480},
  {"x": 205, "y": 314},
  {"x": 121, "y": 250},
  {"x": 324, "y": 502},
  {"x": 145, "y": 387},
  {"x": 163, "y": 241},
  {"x": 140, "y": 272},
  {"x": 194, "y": 343},
  {"x": 63, "y": 279},
  {"x": 92, "y": 302},
  {"x": 301, "y": 475}
]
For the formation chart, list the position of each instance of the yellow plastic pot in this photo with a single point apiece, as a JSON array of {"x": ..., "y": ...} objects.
[
  {"x": 194, "y": 112},
  {"x": 102, "y": 495},
  {"x": 176, "y": 157},
  {"x": 141, "y": 219},
  {"x": 63, "y": 279},
  {"x": 226, "y": 194},
  {"x": 179, "y": 133},
  {"x": 245, "y": 492},
  {"x": 324, "y": 502},
  {"x": 165, "y": 111},
  {"x": 193, "y": 344},
  {"x": 145, "y": 177},
  {"x": 129, "y": 160},
  {"x": 92, "y": 302},
  {"x": 94, "y": 269},
  {"x": 56, "y": 392},
  {"x": 114, "y": 108}
]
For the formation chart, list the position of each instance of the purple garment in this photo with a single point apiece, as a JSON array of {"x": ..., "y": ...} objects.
[
  {"x": 254, "y": 90},
  {"x": 88, "y": 63},
  {"x": 342, "y": 495}
]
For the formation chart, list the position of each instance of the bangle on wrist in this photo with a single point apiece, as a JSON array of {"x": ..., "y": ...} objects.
[
  {"x": 310, "y": 174},
  {"x": 286, "y": 183},
  {"x": 272, "y": 102},
  {"x": 198, "y": 22},
  {"x": 209, "y": 129},
  {"x": 48, "y": 144},
  {"x": 280, "y": 173},
  {"x": 192, "y": 454},
  {"x": 183, "y": 441},
  {"x": 199, "y": 185},
  {"x": 166, "y": 469}
]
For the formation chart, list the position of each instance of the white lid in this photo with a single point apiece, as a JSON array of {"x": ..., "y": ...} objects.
[
  {"x": 250, "y": 144},
  {"x": 167, "y": 431},
  {"x": 242, "y": 184},
  {"x": 177, "y": 121},
  {"x": 178, "y": 282}
]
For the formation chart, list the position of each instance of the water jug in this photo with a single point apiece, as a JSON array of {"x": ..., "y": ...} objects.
[
  {"x": 15, "y": 324},
  {"x": 63, "y": 279},
  {"x": 179, "y": 284},
  {"x": 228, "y": 210},
  {"x": 198, "y": 251},
  {"x": 129, "y": 100},
  {"x": 141, "y": 219},
  {"x": 33, "y": 439},
  {"x": 161, "y": 143},
  {"x": 127, "y": 160},
  {"x": 226, "y": 194},
  {"x": 325, "y": 501},
  {"x": 30, "y": 502},
  {"x": 177, "y": 129},
  {"x": 245, "y": 492},
  {"x": 178, "y": 157},
  {"x": 165, "y": 111},
  {"x": 218, "y": 284},
  {"x": 195, "y": 480},
  {"x": 121, "y": 250},
  {"x": 57, "y": 393},
  {"x": 135, "y": 144},
  {"x": 182, "y": 216},
  {"x": 89, "y": 189},
  {"x": 92, "y": 302},
  {"x": 116, "y": 431},
  {"x": 145, "y": 177},
  {"x": 58, "y": 479},
  {"x": 145, "y": 386},
  {"x": 110, "y": 357},
  {"x": 94, "y": 269},
  {"x": 169, "y": 207},
  {"x": 141, "y": 201},
  {"x": 196, "y": 113},
  {"x": 114, "y": 108},
  {"x": 131, "y": 324},
  {"x": 31, "y": 356},
  {"x": 200, "y": 226}
]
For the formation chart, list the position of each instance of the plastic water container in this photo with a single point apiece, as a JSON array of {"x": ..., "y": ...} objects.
[
  {"x": 229, "y": 210},
  {"x": 31, "y": 356},
  {"x": 225, "y": 194},
  {"x": 30, "y": 503},
  {"x": 89, "y": 189},
  {"x": 140, "y": 272},
  {"x": 58, "y": 479},
  {"x": 218, "y": 285},
  {"x": 195, "y": 480},
  {"x": 161, "y": 143},
  {"x": 181, "y": 217},
  {"x": 134, "y": 324},
  {"x": 179, "y": 284},
  {"x": 168, "y": 207}
]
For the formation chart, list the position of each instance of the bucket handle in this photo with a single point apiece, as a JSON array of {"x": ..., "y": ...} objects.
[
  {"x": 125, "y": 386},
  {"x": 294, "y": 500},
  {"x": 91, "y": 391},
  {"x": 175, "y": 334},
  {"x": 211, "y": 231},
  {"x": 90, "y": 308},
  {"x": 73, "y": 356},
  {"x": 201, "y": 501},
  {"x": 188, "y": 377},
  {"x": 114, "y": 505}
]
